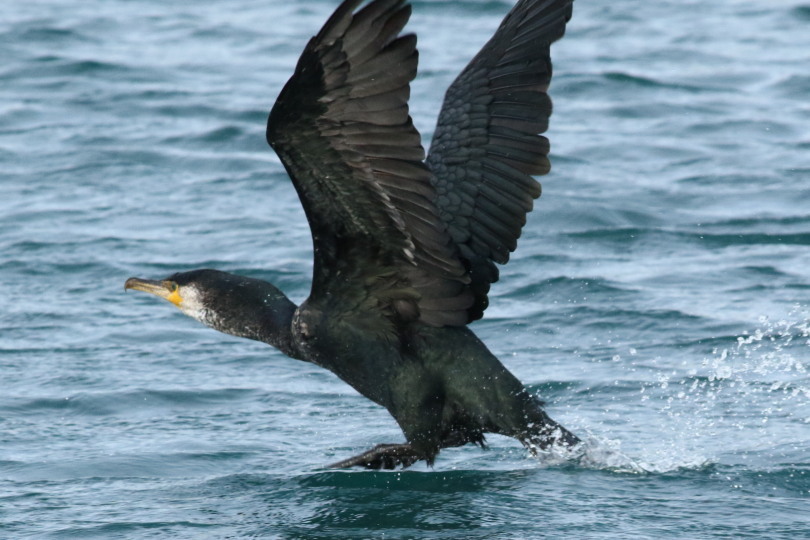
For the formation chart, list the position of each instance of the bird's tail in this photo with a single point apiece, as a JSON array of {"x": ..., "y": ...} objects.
[
  {"x": 541, "y": 432},
  {"x": 548, "y": 435}
]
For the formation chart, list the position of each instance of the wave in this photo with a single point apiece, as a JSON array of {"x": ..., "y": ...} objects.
[{"x": 113, "y": 403}]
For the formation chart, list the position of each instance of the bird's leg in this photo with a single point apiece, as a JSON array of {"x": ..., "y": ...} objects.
[{"x": 383, "y": 456}]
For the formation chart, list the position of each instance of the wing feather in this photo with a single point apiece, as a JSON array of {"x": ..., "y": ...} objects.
[
  {"x": 342, "y": 129},
  {"x": 487, "y": 143}
]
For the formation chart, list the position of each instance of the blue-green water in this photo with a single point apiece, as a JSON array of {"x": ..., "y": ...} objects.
[{"x": 659, "y": 300}]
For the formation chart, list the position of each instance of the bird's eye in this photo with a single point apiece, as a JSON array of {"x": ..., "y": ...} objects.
[{"x": 175, "y": 286}]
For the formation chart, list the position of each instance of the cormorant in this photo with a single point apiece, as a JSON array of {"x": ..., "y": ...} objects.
[{"x": 404, "y": 245}]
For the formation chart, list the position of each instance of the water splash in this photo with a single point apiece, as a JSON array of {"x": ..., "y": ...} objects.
[
  {"x": 769, "y": 350},
  {"x": 751, "y": 396},
  {"x": 746, "y": 402},
  {"x": 604, "y": 454}
]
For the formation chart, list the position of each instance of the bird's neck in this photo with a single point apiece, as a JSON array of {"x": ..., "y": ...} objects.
[
  {"x": 275, "y": 327},
  {"x": 265, "y": 315}
]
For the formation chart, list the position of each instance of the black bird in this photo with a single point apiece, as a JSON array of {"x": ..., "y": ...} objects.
[{"x": 405, "y": 246}]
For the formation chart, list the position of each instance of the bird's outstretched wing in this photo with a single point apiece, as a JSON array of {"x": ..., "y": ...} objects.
[
  {"x": 342, "y": 129},
  {"x": 487, "y": 144}
]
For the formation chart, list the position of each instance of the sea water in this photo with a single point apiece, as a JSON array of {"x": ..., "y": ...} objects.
[{"x": 659, "y": 301}]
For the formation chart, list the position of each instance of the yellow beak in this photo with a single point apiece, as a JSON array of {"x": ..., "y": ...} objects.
[{"x": 168, "y": 290}]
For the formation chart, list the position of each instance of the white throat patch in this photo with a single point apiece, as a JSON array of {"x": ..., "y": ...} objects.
[{"x": 193, "y": 306}]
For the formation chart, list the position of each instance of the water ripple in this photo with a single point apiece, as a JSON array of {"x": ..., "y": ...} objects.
[{"x": 658, "y": 301}]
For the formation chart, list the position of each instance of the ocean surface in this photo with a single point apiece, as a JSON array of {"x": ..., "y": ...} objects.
[{"x": 659, "y": 300}]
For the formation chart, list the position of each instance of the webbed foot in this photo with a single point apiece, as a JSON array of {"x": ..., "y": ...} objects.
[{"x": 383, "y": 456}]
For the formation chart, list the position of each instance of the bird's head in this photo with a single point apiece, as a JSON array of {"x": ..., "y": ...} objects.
[
  {"x": 194, "y": 293},
  {"x": 230, "y": 303}
]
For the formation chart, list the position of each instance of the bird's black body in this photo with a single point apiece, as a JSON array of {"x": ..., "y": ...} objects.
[{"x": 404, "y": 245}]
